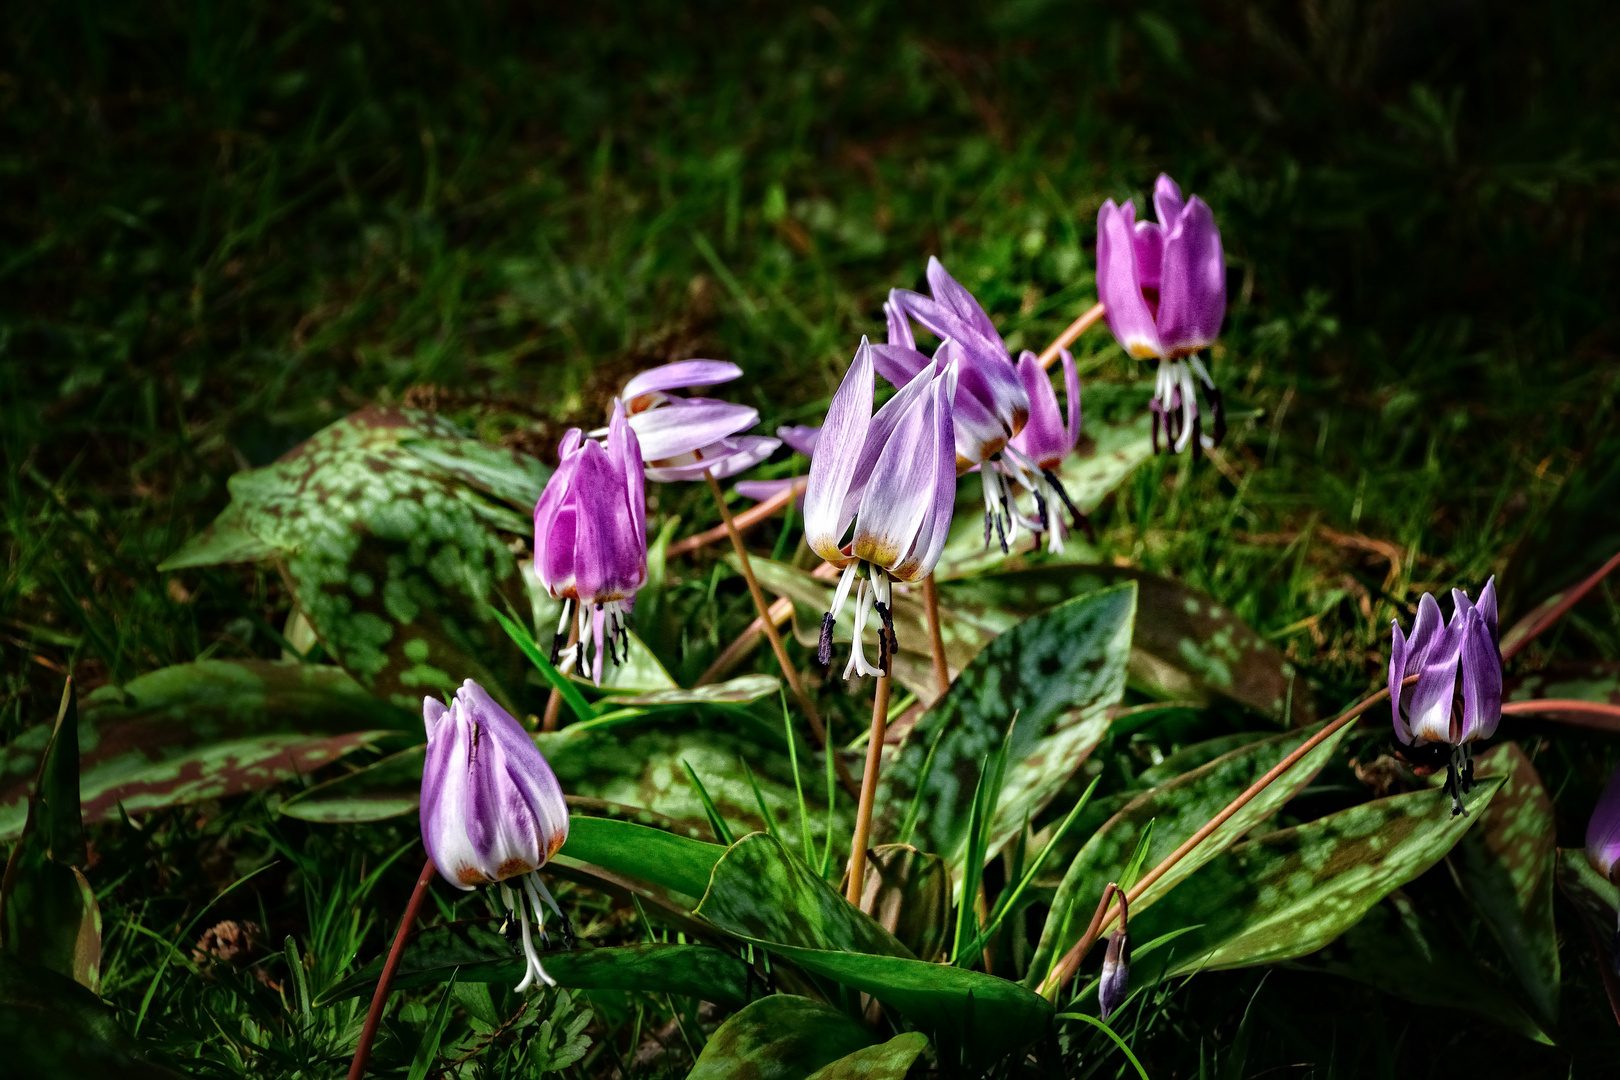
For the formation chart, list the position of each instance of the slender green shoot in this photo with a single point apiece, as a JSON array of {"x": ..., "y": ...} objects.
[
  {"x": 1112, "y": 1034},
  {"x": 759, "y": 800},
  {"x": 910, "y": 824},
  {"x": 722, "y": 832},
  {"x": 798, "y": 784}
]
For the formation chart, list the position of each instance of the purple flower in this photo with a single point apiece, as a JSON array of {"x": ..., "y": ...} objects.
[
  {"x": 992, "y": 404},
  {"x": 1603, "y": 831},
  {"x": 797, "y": 437},
  {"x": 1115, "y": 983},
  {"x": 1046, "y": 440},
  {"x": 1163, "y": 285},
  {"x": 1434, "y": 713},
  {"x": 590, "y": 538},
  {"x": 491, "y": 807},
  {"x": 681, "y": 437},
  {"x": 893, "y": 477}
]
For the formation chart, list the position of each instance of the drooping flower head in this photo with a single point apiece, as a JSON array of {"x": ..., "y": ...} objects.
[
  {"x": 492, "y": 809},
  {"x": 590, "y": 539},
  {"x": 992, "y": 403},
  {"x": 1047, "y": 439},
  {"x": 1439, "y": 710},
  {"x": 892, "y": 476},
  {"x": 1114, "y": 985},
  {"x": 1163, "y": 285},
  {"x": 681, "y": 437}
]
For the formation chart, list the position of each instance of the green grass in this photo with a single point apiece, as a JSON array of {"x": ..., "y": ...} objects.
[{"x": 224, "y": 226}]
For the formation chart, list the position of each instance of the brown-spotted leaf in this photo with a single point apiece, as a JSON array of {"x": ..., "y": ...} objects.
[
  {"x": 781, "y": 1037},
  {"x": 886, "y": 1061},
  {"x": 909, "y": 893}
]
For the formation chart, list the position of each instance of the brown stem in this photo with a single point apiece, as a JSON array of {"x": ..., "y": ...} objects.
[
  {"x": 869, "y": 782},
  {"x": 942, "y": 673},
  {"x": 1071, "y": 960},
  {"x": 1076, "y": 328},
  {"x": 767, "y": 624},
  {"x": 362, "y": 1052},
  {"x": 745, "y": 520},
  {"x": 548, "y": 722},
  {"x": 1526, "y": 629},
  {"x": 1593, "y": 714}
]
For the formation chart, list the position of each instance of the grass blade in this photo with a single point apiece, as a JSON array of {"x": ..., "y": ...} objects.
[
  {"x": 559, "y": 682},
  {"x": 716, "y": 822}
]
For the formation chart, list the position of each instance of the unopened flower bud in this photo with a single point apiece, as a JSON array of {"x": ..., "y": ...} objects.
[{"x": 1116, "y": 973}]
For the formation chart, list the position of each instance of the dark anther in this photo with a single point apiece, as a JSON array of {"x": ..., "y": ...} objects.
[
  {"x": 1040, "y": 504},
  {"x": 987, "y": 528},
  {"x": 1001, "y": 535},
  {"x": 1079, "y": 520},
  {"x": 888, "y": 643},
  {"x": 556, "y": 648},
  {"x": 569, "y": 938},
  {"x": 824, "y": 649}
]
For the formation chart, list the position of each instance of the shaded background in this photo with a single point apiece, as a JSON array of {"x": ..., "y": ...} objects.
[{"x": 224, "y": 226}]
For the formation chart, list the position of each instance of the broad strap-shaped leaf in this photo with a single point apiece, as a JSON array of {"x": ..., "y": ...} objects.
[
  {"x": 886, "y": 1061},
  {"x": 477, "y": 952},
  {"x": 1177, "y": 626},
  {"x": 982, "y": 1015},
  {"x": 1108, "y": 452},
  {"x": 204, "y": 730},
  {"x": 663, "y": 858},
  {"x": 389, "y": 787},
  {"x": 1401, "y": 951},
  {"x": 1057, "y": 673},
  {"x": 739, "y": 691},
  {"x": 392, "y": 556},
  {"x": 760, "y": 891},
  {"x": 909, "y": 893},
  {"x": 1292, "y": 891},
  {"x": 1177, "y": 810},
  {"x": 51, "y": 1026},
  {"x": 1506, "y": 865},
  {"x": 636, "y": 673},
  {"x": 781, "y": 1037}
]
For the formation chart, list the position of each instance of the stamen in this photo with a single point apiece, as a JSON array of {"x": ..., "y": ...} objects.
[
  {"x": 561, "y": 635},
  {"x": 531, "y": 958},
  {"x": 824, "y": 649}
]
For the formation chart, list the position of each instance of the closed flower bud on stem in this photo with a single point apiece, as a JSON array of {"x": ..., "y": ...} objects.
[{"x": 1115, "y": 983}]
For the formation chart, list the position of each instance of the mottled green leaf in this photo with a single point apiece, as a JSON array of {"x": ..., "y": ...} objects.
[
  {"x": 1292, "y": 891},
  {"x": 952, "y": 1005},
  {"x": 1399, "y": 950},
  {"x": 908, "y": 892},
  {"x": 1058, "y": 673},
  {"x": 738, "y": 691},
  {"x": 484, "y": 955},
  {"x": 386, "y": 788},
  {"x": 1179, "y": 627},
  {"x": 1176, "y": 810},
  {"x": 758, "y": 890},
  {"x": 1594, "y": 896},
  {"x": 1106, "y": 455},
  {"x": 640, "y": 671},
  {"x": 509, "y": 475},
  {"x": 886, "y": 1061},
  {"x": 1506, "y": 864},
  {"x": 781, "y": 1037},
  {"x": 52, "y": 1027},
  {"x": 663, "y": 858},
  {"x": 1599, "y": 682},
  {"x": 227, "y": 540},
  {"x": 204, "y": 730}
]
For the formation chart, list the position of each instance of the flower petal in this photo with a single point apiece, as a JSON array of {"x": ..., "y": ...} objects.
[
  {"x": 1397, "y": 673},
  {"x": 680, "y": 374},
  {"x": 898, "y": 364},
  {"x": 444, "y": 803},
  {"x": 624, "y": 450},
  {"x": 1119, "y": 284},
  {"x": 800, "y": 438},
  {"x": 610, "y": 554},
  {"x": 949, "y": 292},
  {"x": 833, "y": 469},
  {"x": 929, "y": 543},
  {"x": 1481, "y": 669},
  {"x": 1603, "y": 830},
  {"x": 685, "y": 424},
  {"x": 760, "y": 490},
  {"x": 1487, "y": 607},
  {"x": 1192, "y": 296},
  {"x": 901, "y": 489},
  {"x": 899, "y": 326},
  {"x": 724, "y": 458},
  {"x": 525, "y": 771},
  {"x": 1044, "y": 438},
  {"x": 433, "y": 711},
  {"x": 1167, "y": 201},
  {"x": 1430, "y": 712}
]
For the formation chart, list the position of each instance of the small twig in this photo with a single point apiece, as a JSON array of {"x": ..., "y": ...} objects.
[
  {"x": 1593, "y": 714},
  {"x": 362, "y": 1051},
  {"x": 1076, "y": 328},
  {"x": 869, "y": 782},
  {"x": 942, "y": 672},
  {"x": 745, "y": 520}
]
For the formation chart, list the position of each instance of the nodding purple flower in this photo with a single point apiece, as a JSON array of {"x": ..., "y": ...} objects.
[
  {"x": 1435, "y": 713},
  {"x": 1603, "y": 846},
  {"x": 893, "y": 476},
  {"x": 992, "y": 404},
  {"x": 492, "y": 809},
  {"x": 1115, "y": 982},
  {"x": 1163, "y": 285},
  {"x": 796, "y": 437},
  {"x": 590, "y": 540},
  {"x": 681, "y": 437},
  {"x": 1046, "y": 440}
]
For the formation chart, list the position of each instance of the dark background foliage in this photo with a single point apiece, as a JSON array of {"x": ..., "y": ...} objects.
[{"x": 223, "y": 226}]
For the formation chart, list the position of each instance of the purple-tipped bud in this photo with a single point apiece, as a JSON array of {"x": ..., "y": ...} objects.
[
  {"x": 682, "y": 437},
  {"x": 1603, "y": 831},
  {"x": 1115, "y": 983},
  {"x": 491, "y": 807}
]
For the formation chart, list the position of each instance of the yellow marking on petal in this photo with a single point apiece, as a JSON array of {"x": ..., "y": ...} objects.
[{"x": 1141, "y": 350}]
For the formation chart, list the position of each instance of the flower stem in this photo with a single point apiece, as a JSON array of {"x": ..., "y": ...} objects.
[
  {"x": 1076, "y": 328},
  {"x": 745, "y": 520},
  {"x": 362, "y": 1051},
  {"x": 942, "y": 673},
  {"x": 768, "y": 625},
  {"x": 869, "y": 782},
  {"x": 1551, "y": 610},
  {"x": 1066, "y": 967}
]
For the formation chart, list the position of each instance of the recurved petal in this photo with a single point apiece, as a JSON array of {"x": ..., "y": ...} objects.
[
  {"x": 724, "y": 458},
  {"x": 1487, "y": 608},
  {"x": 1397, "y": 672},
  {"x": 1119, "y": 283},
  {"x": 680, "y": 374},
  {"x": 1044, "y": 437},
  {"x": 1192, "y": 294},
  {"x": 1603, "y": 831},
  {"x": 899, "y": 326},
  {"x": 897, "y": 363},
  {"x": 1430, "y": 711},
  {"x": 833, "y": 469},
  {"x": 1167, "y": 201},
  {"x": 1481, "y": 670},
  {"x": 949, "y": 292},
  {"x": 686, "y": 424}
]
